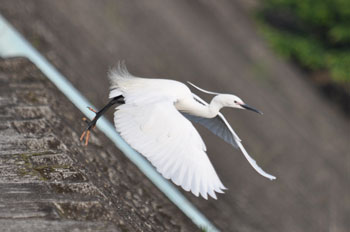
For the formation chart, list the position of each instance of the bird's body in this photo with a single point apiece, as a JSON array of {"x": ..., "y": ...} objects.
[
  {"x": 153, "y": 90},
  {"x": 156, "y": 121}
]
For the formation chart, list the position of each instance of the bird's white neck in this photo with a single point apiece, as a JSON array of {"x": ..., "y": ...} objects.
[{"x": 195, "y": 108}]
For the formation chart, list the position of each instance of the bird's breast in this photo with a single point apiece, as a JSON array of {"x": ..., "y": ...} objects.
[{"x": 192, "y": 107}]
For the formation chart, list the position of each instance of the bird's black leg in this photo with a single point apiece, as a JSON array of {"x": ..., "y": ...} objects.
[{"x": 92, "y": 124}]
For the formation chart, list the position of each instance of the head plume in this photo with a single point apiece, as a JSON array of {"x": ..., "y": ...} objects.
[{"x": 202, "y": 90}]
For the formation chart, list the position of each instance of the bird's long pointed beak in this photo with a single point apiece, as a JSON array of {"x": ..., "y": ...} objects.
[{"x": 245, "y": 106}]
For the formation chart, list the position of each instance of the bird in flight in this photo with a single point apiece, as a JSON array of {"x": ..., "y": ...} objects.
[{"x": 154, "y": 117}]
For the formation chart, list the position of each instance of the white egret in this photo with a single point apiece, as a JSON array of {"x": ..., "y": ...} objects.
[{"x": 154, "y": 117}]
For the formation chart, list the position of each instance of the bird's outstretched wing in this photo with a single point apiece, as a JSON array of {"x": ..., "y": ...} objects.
[
  {"x": 215, "y": 125},
  {"x": 170, "y": 142},
  {"x": 220, "y": 127}
]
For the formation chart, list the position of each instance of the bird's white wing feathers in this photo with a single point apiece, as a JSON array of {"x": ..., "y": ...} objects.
[
  {"x": 223, "y": 132},
  {"x": 170, "y": 142}
]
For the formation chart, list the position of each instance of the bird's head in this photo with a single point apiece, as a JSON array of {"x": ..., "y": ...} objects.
[
  {"x": 227, "y": 100},
  {"x": 230, "y": 100}
]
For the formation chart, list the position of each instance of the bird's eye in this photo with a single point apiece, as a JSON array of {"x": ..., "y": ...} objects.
[{"x": 235, "y": 102}]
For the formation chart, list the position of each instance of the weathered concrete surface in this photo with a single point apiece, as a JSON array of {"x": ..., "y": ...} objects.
[
  {"x": 301, "y": 138},
  {"x": 50, "y": 182}
]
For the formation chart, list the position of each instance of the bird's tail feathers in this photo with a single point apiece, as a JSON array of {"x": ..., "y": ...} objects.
[{"x": 117, "y": 75}]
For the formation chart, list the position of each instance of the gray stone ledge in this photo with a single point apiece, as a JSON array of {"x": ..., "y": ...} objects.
[{"x": 50, "y": 182}]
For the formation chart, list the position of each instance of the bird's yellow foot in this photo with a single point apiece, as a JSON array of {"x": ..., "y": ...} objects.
[
  {"x": 91, "y": 126},
  {"x": 92, "y": 110}
]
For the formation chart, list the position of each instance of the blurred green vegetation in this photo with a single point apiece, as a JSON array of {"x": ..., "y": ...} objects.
[{"x": 314, "y": 33}]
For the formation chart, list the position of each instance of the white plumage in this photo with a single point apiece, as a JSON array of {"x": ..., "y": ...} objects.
[{"x": 155, "y": 121}]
